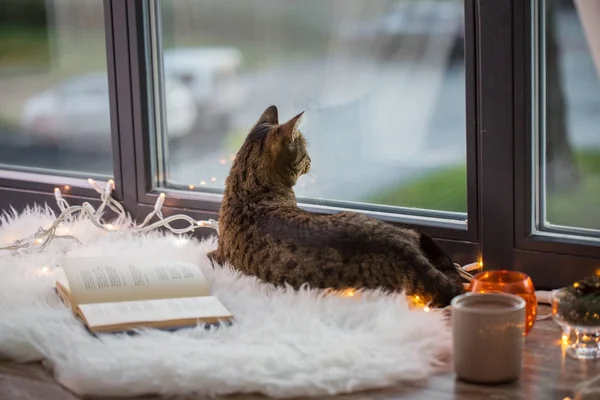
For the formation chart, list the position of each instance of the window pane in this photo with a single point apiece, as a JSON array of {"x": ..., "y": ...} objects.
[
  {"x": 54, "y": 106},
  {"x": 382, "y": 84},
  {"x": 570, "y": 135}
]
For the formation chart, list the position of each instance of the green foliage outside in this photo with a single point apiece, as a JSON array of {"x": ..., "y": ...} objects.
[
  {"x": 579, "y": 206},
  {"x": 446, "y": 189}
]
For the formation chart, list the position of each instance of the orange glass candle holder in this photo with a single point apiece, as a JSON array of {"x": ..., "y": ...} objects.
[{"x": 511, "y": 282}]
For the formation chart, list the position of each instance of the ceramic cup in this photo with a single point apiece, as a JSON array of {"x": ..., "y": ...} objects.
[{"x": 488, "y": 334}]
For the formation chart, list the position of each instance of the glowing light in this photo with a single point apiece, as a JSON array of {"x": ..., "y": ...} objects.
[
  {"x": 426, "y": 309},
  {"x": 213, "y": 179},
  {"x": 111, "y": 183},
  {"x": 39, "y": 241},
  {"x": 203, "y": 182},
  {"x": 191, "y": 187},
  {"x": 180, "y": 241},
  {"x": 109, "y": 227},
  {"x": 349, "y": 293},
  {"x": 232, "y": 157},
  {"x": 417, "y": 298},
  {"x": 45, "y": 270},
  {"x": 222, "y": 161},
  {"x": 67, "y": 187},
  {"x": 576, "y": 285},
  {"x": 564, "y": 338},
  {"x": 480, "y": 263},
  {"x": 56, "y": 190}
]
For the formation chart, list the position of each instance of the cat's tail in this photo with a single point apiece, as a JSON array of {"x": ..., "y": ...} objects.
[{"x": 443, "y": 263}]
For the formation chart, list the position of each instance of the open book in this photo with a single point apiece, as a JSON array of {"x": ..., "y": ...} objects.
[{"x": 118, "y": 294}]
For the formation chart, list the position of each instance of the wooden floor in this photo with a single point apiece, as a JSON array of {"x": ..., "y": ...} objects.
[{"x": 547, "y": 375}]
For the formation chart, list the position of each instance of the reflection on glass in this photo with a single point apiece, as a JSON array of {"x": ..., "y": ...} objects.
[
  {"x": 570, "y": 141},
  {"x": 381, "y": 83},
  {"x": 54, "y": 104}
]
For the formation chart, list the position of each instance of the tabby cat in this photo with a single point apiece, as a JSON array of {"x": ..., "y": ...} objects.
[{"x": 262, "y": 231}]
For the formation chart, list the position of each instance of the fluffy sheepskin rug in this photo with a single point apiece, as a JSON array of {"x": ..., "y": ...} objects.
[{"x": 283, "y": 344}]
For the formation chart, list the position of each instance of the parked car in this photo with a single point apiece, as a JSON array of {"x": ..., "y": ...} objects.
[
  {"x": 75, "y": 114},
  {"x": 201, "y": 91},
  {"x": 212, "y": 74}
]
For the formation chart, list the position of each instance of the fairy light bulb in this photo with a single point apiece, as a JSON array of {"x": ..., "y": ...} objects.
[
  {"x": 108, "y": 188},
  {"x": 57, "y": 194},
  {"x": 159, "y": 202},
  {"x": 45, "y": 270},
  {"x": 426, "y": 309},
  {"x": 110, "y": 227}
]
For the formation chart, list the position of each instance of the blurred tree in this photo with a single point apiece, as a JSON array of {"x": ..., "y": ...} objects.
[
  {"x": 31, "y": 13},
  {"x": 561, "y": 168}
]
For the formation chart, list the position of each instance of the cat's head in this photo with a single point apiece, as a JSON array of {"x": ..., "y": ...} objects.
[{"x": 273, "y": 152}]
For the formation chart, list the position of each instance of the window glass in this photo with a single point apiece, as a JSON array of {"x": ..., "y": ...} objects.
[
  {"x": 569, "y": 145},
  {"x": 382, "y": 84},
  {"x": 54, "y": 104}
]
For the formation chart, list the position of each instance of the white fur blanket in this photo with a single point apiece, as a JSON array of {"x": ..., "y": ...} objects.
[{"x": 283, "y": 343}]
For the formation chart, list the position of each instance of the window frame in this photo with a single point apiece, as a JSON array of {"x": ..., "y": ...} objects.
[
  {"x": 498, "y": 139},
  {"x": 551, "y": 260},
  {"x": 209, "y": 203}
]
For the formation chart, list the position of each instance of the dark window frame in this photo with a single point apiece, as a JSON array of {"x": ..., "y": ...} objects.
[{"x": 498, "y": 139}]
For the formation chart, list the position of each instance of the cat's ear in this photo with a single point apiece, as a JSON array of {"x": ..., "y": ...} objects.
[
  {"x": 269, "y": 116},
  {"x": 290, "y": 128}
]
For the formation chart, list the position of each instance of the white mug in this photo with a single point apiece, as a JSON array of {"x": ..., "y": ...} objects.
[{"x": 488, "y": 333}]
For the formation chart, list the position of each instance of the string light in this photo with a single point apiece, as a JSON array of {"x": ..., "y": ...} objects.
[
  {"x": 123, "y": 223},
  {"x": 213, "y": 179},
  {"x": 223, "y": 161}
]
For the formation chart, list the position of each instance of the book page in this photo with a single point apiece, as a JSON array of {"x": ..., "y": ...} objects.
[
  {"x": 136, "y": 312},
  {"x": 99, "y": 279}
]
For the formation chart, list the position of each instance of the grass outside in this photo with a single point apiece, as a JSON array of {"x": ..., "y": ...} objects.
[
  {"x": 446, "y": 190},
  {"x": 23, "y": 47},
  {"x": 579, "y": 206}
]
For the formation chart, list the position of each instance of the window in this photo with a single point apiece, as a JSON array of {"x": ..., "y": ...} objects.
[
  {"x": 54, "y": 100},
  {"x": 569, "y": 144},
  {"x": 471, "y": 120},
  {"x": 382, "y": 85}
]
